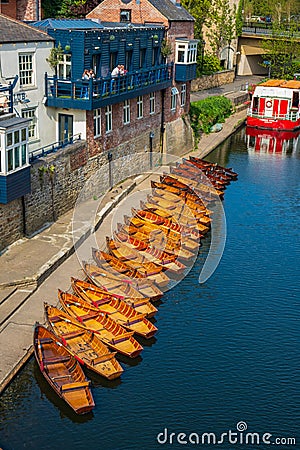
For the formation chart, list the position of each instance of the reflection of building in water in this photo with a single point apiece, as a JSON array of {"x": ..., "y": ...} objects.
[{"x": 270, "y": 141}]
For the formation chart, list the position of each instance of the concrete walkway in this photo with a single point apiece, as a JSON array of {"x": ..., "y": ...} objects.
[{"x": 32, "y": 269}]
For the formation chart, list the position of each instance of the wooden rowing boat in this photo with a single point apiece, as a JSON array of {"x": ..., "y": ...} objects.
[
  {"x": 174, "y": 217},
  {"x": 136, "y": 260},
  {"x": 162, "y": 237},
  {"x": 109, "y": 331},
  {"x": 185, "y": 196},
  {"x": 152, "y": 253},
  {"x": 202, "y": 163},
  {"x": 117, "y": 310},
  {"x": 183, "y": 171},
  {"x": 62, "y": 371},
  {"x": 200, "y": 189},
  {"x": 183, "y": 208},
  {"x": 119, "y": 285},
  {"x": 189, "y": 236},
  {"x": 210, "y": 172},
  {"x": 87, "y": 348},
  {"x": 103, "y": 259}
]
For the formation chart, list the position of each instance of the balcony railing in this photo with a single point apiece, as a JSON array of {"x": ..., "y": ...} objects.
[
  {"x": 97, "y": 92},
  {"x": 52, "y": 148}
]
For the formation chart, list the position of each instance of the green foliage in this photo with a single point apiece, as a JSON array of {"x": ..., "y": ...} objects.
[
  {"x": 282, "y": 51},
  {"x": 76, "y": 8},
  {"x": 239, "y": 20},
  {"x": 166, "y": 48},
  {"x": 211, "y": 64},
  {"x": 205, "y": 113},
  {"x": 200, "y": 11},
  {"x": 221, "y": 24},
  {"x": 56, "y": 55}
]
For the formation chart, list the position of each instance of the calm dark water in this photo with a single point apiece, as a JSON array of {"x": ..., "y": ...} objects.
[{"x": 227, "y": 351}]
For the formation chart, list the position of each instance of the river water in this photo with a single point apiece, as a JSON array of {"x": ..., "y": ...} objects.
[{"x": 227, "y": 353}]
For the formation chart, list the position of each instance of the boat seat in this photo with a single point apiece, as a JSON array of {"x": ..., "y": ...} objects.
[
  {"x": 61, "y": 377},
  {"x": 56, "y": 359},
  {"x": 75, "y": 385},
  {"x": 46, "y": 340},
  {"x": 90, "y": 315},
  {"x": 73, "y": 334}
]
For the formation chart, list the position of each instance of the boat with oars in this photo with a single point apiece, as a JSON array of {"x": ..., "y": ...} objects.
[
  {"x": 110, "y": 332},
  {"x": 137, "y": 260},
  {"x": 201, "y": 190},
  {"x": 104, "y": 259},
  {"x": 182, "y": 212},
  {"x": 62, "y": 371},
  {"x": 184, "y": 172},
  {"x": 87, "y": 348},
  {"x": 117, "y": 284},
  {"x": 199, "y": 174},
  {"x": 189, "y": 237},
  {"x": 201, "y": 163},
  {"x": 152, "y": 253},
  {"x": 153, "y": 236},
  {"x": 116, "y": 309}
]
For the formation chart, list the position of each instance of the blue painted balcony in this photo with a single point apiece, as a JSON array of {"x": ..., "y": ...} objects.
[{"x": 97, "y": 93}]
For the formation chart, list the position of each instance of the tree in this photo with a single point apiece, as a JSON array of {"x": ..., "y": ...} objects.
[
  {"x": 77, "y": 8},
  {"x": 222, "y": 28},
  {"x": 282, "y": 50},
  {"x": 199, "y": 9}
]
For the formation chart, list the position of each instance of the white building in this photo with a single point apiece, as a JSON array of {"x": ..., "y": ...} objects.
[{"x": 23, "y": 53}]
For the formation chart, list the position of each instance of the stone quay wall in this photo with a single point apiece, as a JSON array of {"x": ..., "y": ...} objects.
[
  {"x": 214, "y": 80},
  {"x": 58, "y": 179}
]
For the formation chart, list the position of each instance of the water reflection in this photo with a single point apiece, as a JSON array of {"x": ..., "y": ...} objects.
[{"x": 272, "y": 142}]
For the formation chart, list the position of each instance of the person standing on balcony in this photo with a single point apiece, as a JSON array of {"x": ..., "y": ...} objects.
[{"x": 116, "y": 71}]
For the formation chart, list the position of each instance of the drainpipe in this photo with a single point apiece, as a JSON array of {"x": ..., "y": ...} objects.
[
  {"x": 162, "y": 123},
  {"x": 151, "y": 136},
  {"x": 23, "y": 215},
  {"x": 110, "y": 175}
]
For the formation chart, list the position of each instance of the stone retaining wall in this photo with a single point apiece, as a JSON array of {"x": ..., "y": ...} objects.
[
  {"x": 214, "y": 80},
  {"x": 57, "y": 179}
]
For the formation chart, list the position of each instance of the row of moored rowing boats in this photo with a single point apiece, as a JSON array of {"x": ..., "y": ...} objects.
[{"x": 105, "y": 313}]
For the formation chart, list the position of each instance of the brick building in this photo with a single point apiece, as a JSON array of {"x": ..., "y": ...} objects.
[{"x": 21, "y": 9}]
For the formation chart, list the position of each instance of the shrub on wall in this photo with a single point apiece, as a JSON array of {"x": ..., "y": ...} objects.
[{"x": 206, "y": 113}]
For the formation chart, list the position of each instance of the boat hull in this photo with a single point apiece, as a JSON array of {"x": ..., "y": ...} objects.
[{"x": 273, "y": 124}]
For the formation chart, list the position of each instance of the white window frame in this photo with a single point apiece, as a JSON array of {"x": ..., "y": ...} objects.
[
  {"x": 17, "y": 147},
  {"x": 108, "y": 119},
  {"x": 183, "y": 95},
  {"x": 26, "y": 69},
  {"x": 64, "y": 67},
  {"x": 139, "y": 106},
  {"x": 126, "y": 112},
  {"x": 152, "y": 103},
  {"x": 186, "y": 51},
  {"x": 174, "y": 93},
  {"x": 30, "y": 113},
  {"x": 97, "y": 123}
]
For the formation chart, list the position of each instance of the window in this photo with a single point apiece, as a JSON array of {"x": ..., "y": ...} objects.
[
  {"x": 192, "y": 52},
  {"x": 174, "y": 93},
  {"x": 125, "y": 15},
  {"x": 142, "y": 57},
  {"x": 152, "y": 103},
  {"x": 180, "y": 53},
  {"x": 128, "y": 60},
  {"x": 113, "y": 60},
  {"x": 126, "y": 112},
  {"x": 183, "y": 95},
  {"x": 64, "y": 67},
  {"x": 108, "y": 118},
  {"x": 97, "y": 123},
  {"x": 26, "y": 69},
  {"x": 139, "y": 104},
  {"x": 155, "y": 56},
  {"x": 32, "y": 130},
  {"x": 16, "y": 149}
]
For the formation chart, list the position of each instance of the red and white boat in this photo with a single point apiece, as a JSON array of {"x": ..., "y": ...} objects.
[{"x": 275, "y": 105}]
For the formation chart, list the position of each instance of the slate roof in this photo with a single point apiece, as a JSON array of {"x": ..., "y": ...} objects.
[
  {"x": 12, "y": 31},
  {"x": 172, "y": 12},
  {"x": 67, "y": 24}
]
